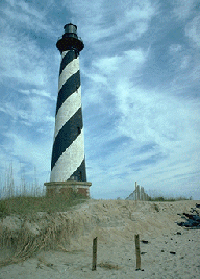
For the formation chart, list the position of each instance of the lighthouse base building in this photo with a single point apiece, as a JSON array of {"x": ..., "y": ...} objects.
[
  {"x": 66, "y": 188},
  {"x": 68, "y": 161}
]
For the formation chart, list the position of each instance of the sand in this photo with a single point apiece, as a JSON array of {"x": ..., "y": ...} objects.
[{"x": 166, "y": 255}]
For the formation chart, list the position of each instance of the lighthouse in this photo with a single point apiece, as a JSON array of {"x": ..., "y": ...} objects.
[{"x": 68, "y": 161}]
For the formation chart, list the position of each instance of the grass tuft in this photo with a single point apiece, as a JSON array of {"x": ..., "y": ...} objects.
[
  {"x": 107, "y": 265},
  {"x": 26, "y": 204},
  {"x": 170, "y": 199}
]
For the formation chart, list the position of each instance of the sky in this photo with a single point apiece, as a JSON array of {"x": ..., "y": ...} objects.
[{"x": 140, "y": 70}]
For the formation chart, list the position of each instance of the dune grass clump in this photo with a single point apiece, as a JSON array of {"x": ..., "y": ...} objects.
[
  {"x": 25, "y": 243},
  {"x": 170, "y": 199},
  {"x": 24, "y": 205},
  {"x": 108, "y": 265}
]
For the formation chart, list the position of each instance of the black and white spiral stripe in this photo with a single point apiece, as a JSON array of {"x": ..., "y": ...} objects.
[{"x": 68, "y": 147}]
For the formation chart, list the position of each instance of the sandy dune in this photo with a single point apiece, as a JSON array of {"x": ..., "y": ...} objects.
[{"x": 166, "y": 255}]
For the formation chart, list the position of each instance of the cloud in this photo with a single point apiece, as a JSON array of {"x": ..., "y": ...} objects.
[
  {"x": 184, "y": 8},
  {"x": 34, "y": 110},
  {"x": 19, "y": 148},
  {"x": 41, "y": 93},
  {"x": 28, "y": 150},
  {"x": 106, "y": 73},
  {"x": 186, "y": 65},
  {"x": 192, "y": 30},
  {"x": 23, "y": 60},
  {"x": 174, "y": 48},
  {"x": 108, "y": 21},
  {"x": 181, "y": 59},
  {"x": 28, "y": 15},
  {"x": 133, "y": 57},
  {"x": 139, "y": 10},
  {"x": 153, "y": 139},
  {"x": 156, "y": 117}
]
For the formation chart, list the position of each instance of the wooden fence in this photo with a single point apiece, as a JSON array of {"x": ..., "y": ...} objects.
[{"x": 138, "y": 194}]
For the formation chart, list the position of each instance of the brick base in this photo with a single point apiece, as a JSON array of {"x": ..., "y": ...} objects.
[{"x": 55, "y": 188}]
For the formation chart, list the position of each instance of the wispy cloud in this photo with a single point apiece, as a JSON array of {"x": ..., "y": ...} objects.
[
  {"x": 192, "y": 30},
  {"x": 31, "y": 153},
  {"x": 184, "y": 8},
  {"x": 22, "y": 60},
  {"x": 105, "y": 21},
  {"x": 27, "y": 15}
]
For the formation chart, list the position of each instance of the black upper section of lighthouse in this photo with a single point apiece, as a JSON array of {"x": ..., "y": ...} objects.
[{"x": 70, "y": 39}]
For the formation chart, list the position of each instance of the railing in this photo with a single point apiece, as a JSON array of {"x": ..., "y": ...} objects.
[{"x": 79, "y": 38}]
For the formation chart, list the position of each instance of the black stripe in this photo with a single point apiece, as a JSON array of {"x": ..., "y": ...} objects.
[
  {"x": 80, "y": 173},
  {"x": 71, "y": 85},
  {"x": 69, "y": 57},
  {"x": 66, "y": 135}
]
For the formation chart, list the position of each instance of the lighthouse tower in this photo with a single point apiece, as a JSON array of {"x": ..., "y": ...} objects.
[{"x": 68, "y": 162}]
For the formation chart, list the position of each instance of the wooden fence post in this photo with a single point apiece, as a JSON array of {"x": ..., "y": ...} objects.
[
  {"x": 135, "y": 191},
  {"x": 142, "y": 194},
  {"x": 138, "y": 192},
  {"x": 137, "y": 252},
  {"x": 94, "y": 262}
]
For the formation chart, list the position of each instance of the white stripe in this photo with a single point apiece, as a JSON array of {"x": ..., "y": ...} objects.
[
  {"x": 67, "y": 163},
  {"x": 67, "y": 72},
  {"x": 64, "y": 53},
  {"x": 67, "y": 110}
]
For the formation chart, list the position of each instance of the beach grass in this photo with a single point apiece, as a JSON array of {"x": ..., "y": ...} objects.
[
  {"x": 23, "y": 205},
  {"x": 169, "y": 199}
]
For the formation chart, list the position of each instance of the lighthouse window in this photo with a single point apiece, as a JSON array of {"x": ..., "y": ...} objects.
[{"x": 79, "y": 130}]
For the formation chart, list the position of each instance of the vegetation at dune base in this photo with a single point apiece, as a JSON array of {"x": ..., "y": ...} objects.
[
  {"x": 29, "y": 198},
  {"x": 160, "y": 198},
  {"x": 23, "y": 205},
  {"x": 24, "y": 244},
  {"x": 156, "y": 195}
]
